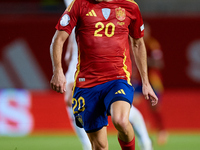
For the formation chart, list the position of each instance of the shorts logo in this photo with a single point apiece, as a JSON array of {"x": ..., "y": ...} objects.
[
  {"x": 121, "y": 91},
  {"x": 120, "y": 13}
]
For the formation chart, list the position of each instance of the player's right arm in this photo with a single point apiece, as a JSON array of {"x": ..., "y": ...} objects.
[
  {"x": 64, "y": 28},
  {"x": 71, "y": 62},
  {"x": 69, "y": 50},
  {"x": 58, "y": 80}
]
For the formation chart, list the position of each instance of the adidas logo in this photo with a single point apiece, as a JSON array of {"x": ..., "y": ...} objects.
[
  {"x": 91, "y": 13},
  {"x": 121, "y": 91}
]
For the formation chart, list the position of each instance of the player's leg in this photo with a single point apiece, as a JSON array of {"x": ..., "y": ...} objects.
[
  {"x": 90, "y": 114},
  {"x": 98, "y": 139},
  {"x": 137, "y": 120},
  {"x": 118, "y": 101},
  {"x": 139, "y": 126},
  {"x": 120, "y": 111},
  {"x": 156, "y": 111},
  {"x": 79, "y": 131},
  {"x": 162, "y": 133}
]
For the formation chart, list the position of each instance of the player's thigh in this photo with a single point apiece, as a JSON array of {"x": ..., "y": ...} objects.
[
  {"x": 89, "y": 109},
  {"x": 120, "y": 90},
  {"x": 120, "y": 111},
  {"x": 98, "y": 139}
]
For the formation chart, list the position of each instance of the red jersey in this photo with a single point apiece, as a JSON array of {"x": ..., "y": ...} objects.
[{"x": 102, "y": 30}]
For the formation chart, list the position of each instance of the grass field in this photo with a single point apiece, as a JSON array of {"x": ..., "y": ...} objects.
[{"x": 71, "y": 142}]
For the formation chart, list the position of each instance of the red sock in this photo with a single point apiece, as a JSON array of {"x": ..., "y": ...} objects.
[{"x": 127, "y": 145}]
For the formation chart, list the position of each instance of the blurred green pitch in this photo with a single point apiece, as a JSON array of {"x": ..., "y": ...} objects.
[{"x": 71, "y": 142}]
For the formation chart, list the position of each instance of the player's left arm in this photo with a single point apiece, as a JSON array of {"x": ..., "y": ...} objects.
[
  {"x": 69, "y": 50},
  {"x": 58, "y": 80},
  {"x": 140, "y": 55}
]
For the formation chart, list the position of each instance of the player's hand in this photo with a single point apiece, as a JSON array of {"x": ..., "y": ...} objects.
[
  {"x": 58, "y": 81},
  {"x": 149, "y": 94}
]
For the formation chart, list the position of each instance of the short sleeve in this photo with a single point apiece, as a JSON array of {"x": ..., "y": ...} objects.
[
  {"x": 136, "y": 27},
  {"x": 69, "y": 18}
]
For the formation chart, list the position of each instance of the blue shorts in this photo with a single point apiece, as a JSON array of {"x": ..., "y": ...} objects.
[{"x": 91, "y": 106}]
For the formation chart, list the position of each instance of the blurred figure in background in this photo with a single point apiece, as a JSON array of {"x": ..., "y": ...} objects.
[
  {"x": 71, "y": 59},
  {"x": 136, "y": 118},
  {"x": 155, "y": 64}
]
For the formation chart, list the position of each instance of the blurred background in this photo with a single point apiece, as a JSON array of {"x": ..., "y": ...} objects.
[{"x": 29, "y": 107}]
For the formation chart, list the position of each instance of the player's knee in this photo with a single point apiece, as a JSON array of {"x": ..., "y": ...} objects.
[
  {"x": 99, "y": 145},
  {"x": 121, "y": 123}
]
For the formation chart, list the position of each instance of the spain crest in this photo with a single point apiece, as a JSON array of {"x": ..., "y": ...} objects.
[
  {"x": 79, "y": 121},
  {"x": 120, "y": 13}
]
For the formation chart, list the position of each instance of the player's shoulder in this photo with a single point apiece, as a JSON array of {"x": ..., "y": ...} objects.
[
  {"x": 80, "y": 1},
  {"x": 132, "y": 3},
  {"x": 77, "y": 3},
  {"x": 85, "y": 1}
]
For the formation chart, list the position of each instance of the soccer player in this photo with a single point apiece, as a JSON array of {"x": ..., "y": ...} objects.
[
  {"x": 155, "y": 64},
  {"x": 102, "y": 82},
  {"x": 135, "y": 117}
]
